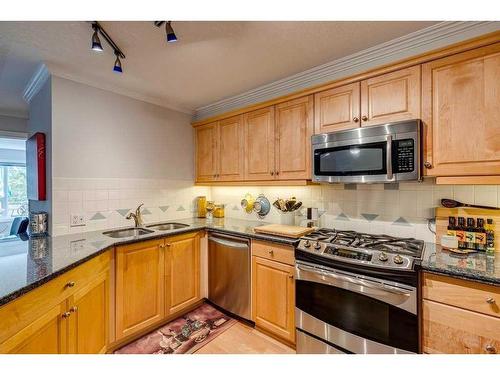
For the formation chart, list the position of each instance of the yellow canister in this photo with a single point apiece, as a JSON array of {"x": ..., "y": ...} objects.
[
  {"x": 202, "y": 206},
  {"x": 219, "y": 211}
]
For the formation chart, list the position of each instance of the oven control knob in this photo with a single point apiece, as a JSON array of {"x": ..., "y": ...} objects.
[
  {"x": 307, "y": 243},
  {"x": 317, "y": 245},
  {"x": 383, "y": 257},
  {"x": 398, "y": 259}
]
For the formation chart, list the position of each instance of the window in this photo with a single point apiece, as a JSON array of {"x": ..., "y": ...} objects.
[{"x": 13, "y": 189}]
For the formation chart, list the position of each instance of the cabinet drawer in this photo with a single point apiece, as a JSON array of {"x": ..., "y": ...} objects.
[
  {"x": 447, "y": 329},
  {"x": 24, "y": 310},
  {"x": 280, "y": 253},
  {"x": 469, "y": 295}
]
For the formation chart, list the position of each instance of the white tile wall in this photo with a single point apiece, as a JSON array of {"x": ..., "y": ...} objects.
[{"x": 90, "y": 197}]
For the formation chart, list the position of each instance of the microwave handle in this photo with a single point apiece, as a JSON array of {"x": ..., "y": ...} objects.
[{"x": 390, "y": 175}]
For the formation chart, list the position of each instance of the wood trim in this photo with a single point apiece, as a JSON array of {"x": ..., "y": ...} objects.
[
  {"x": 468, "y": 180},
  {"x": 259, "y": 183},
  {"x": 455, "y": 48}
]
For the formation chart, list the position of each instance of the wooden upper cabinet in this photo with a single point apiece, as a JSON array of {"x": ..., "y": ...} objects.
[
  {"x": 259, "y": 144},
  {"x": 461, "y": 101},
  {"x": 206, "y": 152},
  {"x": 337, "y": 109},
  {"x": 231, "y": 149},
  {"x": 294, "y": 128},
  {"x": 182, "y": 271},
  {"x": 391, "y": 97},
  {"x": 140, "y": 300}
]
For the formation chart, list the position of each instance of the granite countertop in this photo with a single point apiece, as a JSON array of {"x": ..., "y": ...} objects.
[
  {"x": 475, "y": 267},
  {"x": 30, "y": 262}
]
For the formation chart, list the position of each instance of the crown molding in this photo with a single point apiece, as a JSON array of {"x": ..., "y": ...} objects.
[
  {"x": 36, "y": 82},
  {"x": 418, "y": 42}
]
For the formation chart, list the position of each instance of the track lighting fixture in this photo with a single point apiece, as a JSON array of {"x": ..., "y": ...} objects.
[
  {"x": 97, "y": 46},
  {"x": 171, "y": 37}
]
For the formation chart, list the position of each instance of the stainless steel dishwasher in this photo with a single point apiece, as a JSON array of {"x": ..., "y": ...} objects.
[{"x": 229, "y": 273}]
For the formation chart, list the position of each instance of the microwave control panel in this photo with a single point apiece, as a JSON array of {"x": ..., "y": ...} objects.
[{"x": 404, "y": 155}]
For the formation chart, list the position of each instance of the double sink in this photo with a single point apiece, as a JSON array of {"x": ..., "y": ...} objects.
[{"x": 137, "y": 232}]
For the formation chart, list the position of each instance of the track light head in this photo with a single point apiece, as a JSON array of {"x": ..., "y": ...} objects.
[
  {"x": 118, "y": 64},
  {"x": 96, "y": 42},
  {"x": 171, "y": 37}
]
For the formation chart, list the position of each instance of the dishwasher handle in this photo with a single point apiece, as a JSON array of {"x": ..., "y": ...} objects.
[{"x": 230, "y": 241}]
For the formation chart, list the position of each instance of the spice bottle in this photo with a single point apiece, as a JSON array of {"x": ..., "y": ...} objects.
[
  {"x": 460, "y": 233},
  {"x": 452, "y": 226},
  {"x": 480, "y": 235},
  {"x": 490, "y": 237},
  {"x": 470, "y": 234}
]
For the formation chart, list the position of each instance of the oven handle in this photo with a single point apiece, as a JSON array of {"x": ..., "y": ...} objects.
[
  {"x": 389, "y": 157},
  {"x": 315, "y": 272}
]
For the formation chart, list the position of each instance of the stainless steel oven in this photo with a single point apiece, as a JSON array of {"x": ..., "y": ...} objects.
[
  {"x": 384, "y": 153},
  {"x": 339, "y": 311}
]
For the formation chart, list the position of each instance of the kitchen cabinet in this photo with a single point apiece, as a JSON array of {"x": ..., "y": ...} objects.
[
  {"x": 337, "y": 109},
  {"x": 182, "y": 272},
  {"x": 69, "y": 314},
  {"x": 273, "y": 308},
  {"x": 231, "y": 149},
  {"x": 259, "y": 144},
  {"x": 294, "y": 128},
  {"x": 140, "y": 298},
  {"x": 459, "y": 316},
  {"x": 206, "y": 147},
  {"x": 461, "y": 97}
]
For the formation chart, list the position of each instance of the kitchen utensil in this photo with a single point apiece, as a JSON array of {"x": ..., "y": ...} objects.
[
  {"x": 282, "y": 204},
  {"x": 291, "y": 231},
  {"x": 276, "y": 204},
  {"x": 262, "y": 206},
  {"x": 450, "y": 203},
  {"x": 296, "y": 206},
  {"x": 289, "y": 203},
  {"x": 247, "y": 203}
]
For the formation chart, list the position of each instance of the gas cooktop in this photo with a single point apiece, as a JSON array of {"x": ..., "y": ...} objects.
[{"x": 362, "y": 248}]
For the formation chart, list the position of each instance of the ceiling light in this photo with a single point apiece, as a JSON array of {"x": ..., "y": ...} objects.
[
  {"x": 96, "y": 42},
  {"x": 118, "y": 65},
  {"x": 171, "y": 37}
]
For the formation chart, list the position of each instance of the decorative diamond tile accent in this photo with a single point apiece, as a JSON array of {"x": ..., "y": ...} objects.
[
  {"x": 98, "y": 216},
  {"x": 394, "y": 186},
  {"x": 402, "y": 221},
  {"x": 146, "y": 212},
  {"x": 370, "y": 217},
  {"x": 350, "y": 187},
  {"x": 123, "y": 211},
  {"x": 180, "y": 208},
  {"x": 164, "y": 208},
  {"x": 343, "y": 216}
]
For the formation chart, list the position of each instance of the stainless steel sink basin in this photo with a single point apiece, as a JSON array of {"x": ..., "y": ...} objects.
[
  {"x": 167, "y": 226},
  {"x": 129, "y": 232}
]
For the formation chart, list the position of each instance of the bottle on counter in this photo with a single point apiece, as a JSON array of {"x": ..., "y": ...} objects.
[
  {"x": 460, "y": 233},
  {"x": 490, "y": 237},
  {"x": 480, "y": 235},
  {"x": 452, "y": 226},
  {"x": 470, "y": 234}
]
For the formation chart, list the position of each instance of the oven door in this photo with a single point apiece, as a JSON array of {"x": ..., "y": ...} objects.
[{"x": 356, "y": 313}]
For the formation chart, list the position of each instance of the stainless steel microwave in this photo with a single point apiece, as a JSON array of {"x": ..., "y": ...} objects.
[{"x": 383, "y": 153}]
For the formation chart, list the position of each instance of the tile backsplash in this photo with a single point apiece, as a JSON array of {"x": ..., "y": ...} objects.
[{"x": 104, "y": 202}]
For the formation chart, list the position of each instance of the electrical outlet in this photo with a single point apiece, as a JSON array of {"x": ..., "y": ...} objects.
[{"x": 77, "y": 221}]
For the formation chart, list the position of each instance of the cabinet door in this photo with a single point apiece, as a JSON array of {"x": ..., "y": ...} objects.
[
  {"x": 294, "y": 128},
  {"x": 45, "y": 335},
  {"x": 182, "y": 270},
  {"x": 259, "y": 144},
  {"x": 139, "y": 297},
  {"x": 89, "y": 320},
  {"x": 206, "y": 152},
  {"x": 391, "y": 97},
  {"x": 337, "y": 109},
  {"x": 461, "y": 101},
  {"x": 273, "y": 307},
  {"x": 231, "y": 149},
  {"x": 451, "y": 330}
]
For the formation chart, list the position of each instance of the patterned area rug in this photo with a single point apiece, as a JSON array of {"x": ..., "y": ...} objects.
[{"x": 184, "y": 335}]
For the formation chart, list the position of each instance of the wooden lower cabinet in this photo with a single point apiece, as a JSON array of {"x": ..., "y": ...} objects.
[
  {"x": 182, "y": 272},
  {"x": 273, "y": 298},
  {"x": 140, "y": 300}
]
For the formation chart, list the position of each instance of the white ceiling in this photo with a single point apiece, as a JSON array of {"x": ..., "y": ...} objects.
[{"x": 211, "y": 60}]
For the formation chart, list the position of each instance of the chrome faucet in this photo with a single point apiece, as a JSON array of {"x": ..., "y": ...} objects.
[{"x": 137, "y": 216}]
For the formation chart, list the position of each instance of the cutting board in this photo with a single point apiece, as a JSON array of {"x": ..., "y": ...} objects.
[{"x": 283, "y": 230}]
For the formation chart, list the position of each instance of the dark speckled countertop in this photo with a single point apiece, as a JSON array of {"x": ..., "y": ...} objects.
[
  {"x": 27, "y": 264},
  {"x": 475, "y": 267}
]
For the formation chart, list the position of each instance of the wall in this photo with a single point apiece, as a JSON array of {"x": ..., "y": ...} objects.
[
  {"x": 13, "y": 124},
  {"x": 112, "y": 153},
  {"x": 394, "y": 209},
  {"x": 40, "y": 120}
]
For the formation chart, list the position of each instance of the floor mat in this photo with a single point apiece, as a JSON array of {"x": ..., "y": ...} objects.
[{"x": 184, "y": 335}]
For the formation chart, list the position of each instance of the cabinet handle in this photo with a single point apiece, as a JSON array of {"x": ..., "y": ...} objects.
[
  {"x": 215, "y": 175},
  {"x": 490, "y": 300},
  {"x": 168, "y": 244},
  {"x": 428, "y": 165},
  {"x": 70, "y": 284},
  {"x": 491, "y": 349},
  {"x": 162, "y": 246},
  {"x": 271, "y": 252},
  {"x": 364, "y": 118},
  {"x": 272, "y": 173},
  {"x": 277, "y": 173},
  {"x": 73, "y": 309},
  {"x": 66, "y": 315},
  {"x": 290, "y": 276},
  {"x": 355, "y": 119}
]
